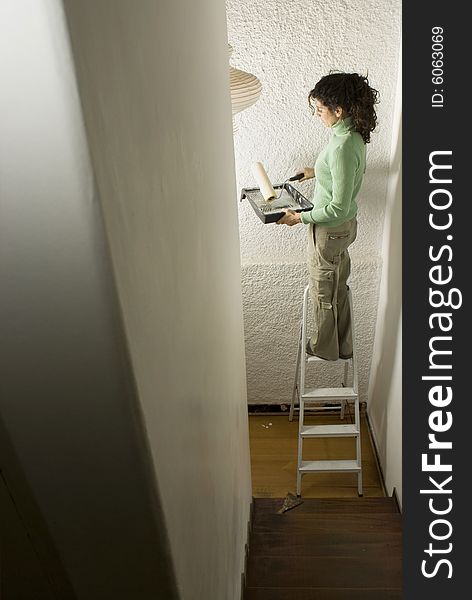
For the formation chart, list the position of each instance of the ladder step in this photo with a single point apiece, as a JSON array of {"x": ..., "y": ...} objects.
[
  {"x": 316, "y": 466},
  {"x": 315, "y": 408},
  {"x": 312, "y": 431},
  {"x": 342, "y": 393},
  {"x": 310, "y": 358}
]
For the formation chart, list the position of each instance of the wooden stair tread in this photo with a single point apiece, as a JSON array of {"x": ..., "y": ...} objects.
[
  {"x": 297, "y": 593},
  {"x": 300, "y": 523},
  {"x": 327, "y": 543},
  {"x": 327, "y": 505},
  {"x": 325, "y": 549},
  {"x": 327, "y": 572}
]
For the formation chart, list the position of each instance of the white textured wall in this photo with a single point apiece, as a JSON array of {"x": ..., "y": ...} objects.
[
  {"x": 289, "y": 46},
  {"x": 154, "y": 82},
  {"x": 385, "y": 389}
]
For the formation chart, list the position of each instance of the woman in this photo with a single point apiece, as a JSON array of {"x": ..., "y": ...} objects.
[{"x": 344, "y": 102}]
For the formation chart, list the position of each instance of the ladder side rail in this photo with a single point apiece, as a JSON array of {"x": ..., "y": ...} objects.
[
  {"x": 296, "y": 382},
  {"x": 356, "y": 404},
  {"x": 303, "y": 341},
  {"x": 355, "y": 383},
  {"x": 358, "y": 448},
  {"x": 301, "y": 391}
]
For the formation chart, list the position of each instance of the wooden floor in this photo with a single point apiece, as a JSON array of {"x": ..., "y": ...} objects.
[{"x": 274, "y": 444}]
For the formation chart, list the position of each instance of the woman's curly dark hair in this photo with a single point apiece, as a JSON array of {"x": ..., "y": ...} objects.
[{"x": 353, "y": 94}]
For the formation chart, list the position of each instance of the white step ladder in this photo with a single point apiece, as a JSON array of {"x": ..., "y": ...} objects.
[{"x": 315, "y": 398}]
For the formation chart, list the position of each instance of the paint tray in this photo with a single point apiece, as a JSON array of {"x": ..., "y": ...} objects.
[{"x": 270, "y": 211}]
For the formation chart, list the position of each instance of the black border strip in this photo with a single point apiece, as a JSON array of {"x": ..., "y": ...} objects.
[{"x": 436, "y": 120}]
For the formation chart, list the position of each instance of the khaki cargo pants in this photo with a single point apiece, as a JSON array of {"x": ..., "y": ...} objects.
[{"x": 329, "y": 267}]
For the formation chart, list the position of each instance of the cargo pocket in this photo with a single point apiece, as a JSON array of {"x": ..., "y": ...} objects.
[
  {"x": 335, "y": 244},
  {"x": 324, "y": 282}
]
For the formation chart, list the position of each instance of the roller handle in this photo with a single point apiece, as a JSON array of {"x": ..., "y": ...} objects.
[{"x": 297, "y": 177}]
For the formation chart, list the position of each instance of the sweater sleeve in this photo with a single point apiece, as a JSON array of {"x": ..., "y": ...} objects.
[{"x": 343, "y": 165}]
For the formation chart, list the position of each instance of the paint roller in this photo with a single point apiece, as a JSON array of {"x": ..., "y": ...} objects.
[{"x": 264, "y": 183}]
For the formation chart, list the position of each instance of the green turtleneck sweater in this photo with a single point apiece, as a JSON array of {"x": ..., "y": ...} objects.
[{"x": 339, "y": 171}]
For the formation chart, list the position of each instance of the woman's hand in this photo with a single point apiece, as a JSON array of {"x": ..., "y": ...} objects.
[
  {"x": 290, "y": 218},
  {"x": 308, "y": 173}
]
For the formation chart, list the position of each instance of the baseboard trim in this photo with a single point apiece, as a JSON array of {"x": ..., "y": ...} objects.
[
  {"x": 376, "y": 453},
  {"x": 284, "y": 409},
  {"x": 395, "y": 499}
]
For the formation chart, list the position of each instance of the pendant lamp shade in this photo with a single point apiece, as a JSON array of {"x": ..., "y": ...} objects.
[{"x": 245, "y": 90}]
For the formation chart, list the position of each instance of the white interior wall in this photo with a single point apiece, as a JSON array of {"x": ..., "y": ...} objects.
[
  {"x": 154, "y": 83},
  {"x": 385, "y": 389},
  {"x": 289, "y": 46},
  {"x": 72, "y": 449}
]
